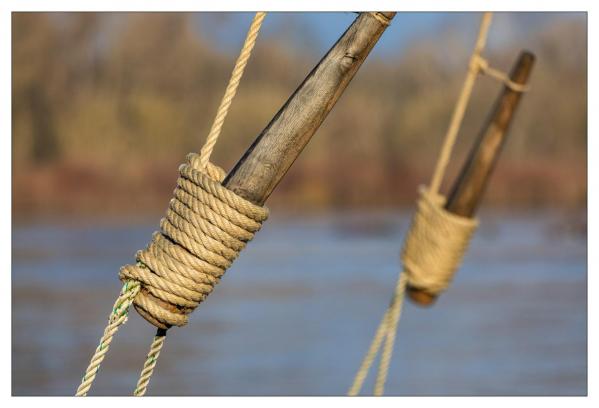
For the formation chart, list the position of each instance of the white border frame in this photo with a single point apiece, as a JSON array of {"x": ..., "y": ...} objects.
[{"x": 8, "y": 6}]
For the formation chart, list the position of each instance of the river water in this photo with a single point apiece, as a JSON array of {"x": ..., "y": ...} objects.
[{"x": 297, "y": 310}]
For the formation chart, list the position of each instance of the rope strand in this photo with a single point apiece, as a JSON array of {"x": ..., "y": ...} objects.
[
  {"x": 485, "y": 69},
  {"x": 460, "y": 108},
  {"x": 150, "y": 363},
  {"x": 368, "y": 359},
  {"x": 187, "y": 205},
  {"x": 392, "y": 322},
  {"x": 117, "y": 318},
  {"x": 231, "y": 90},
  {"x": 385, "y": 331},
  {"x": 201, "y": 162},
  {"x": 388, "y": 327}
]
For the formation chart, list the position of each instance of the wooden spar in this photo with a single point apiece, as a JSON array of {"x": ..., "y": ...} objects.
[
  {"x": 269, "y": 157},
  {"x": 468, "y": 189},
  {"x": 273, "y": 152}
]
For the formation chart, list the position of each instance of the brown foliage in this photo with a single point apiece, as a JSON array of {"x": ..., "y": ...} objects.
[{"x": 106, "y": 105}]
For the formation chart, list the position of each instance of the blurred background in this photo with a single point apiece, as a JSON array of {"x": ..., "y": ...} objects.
[{"x": 105, "y": 107}]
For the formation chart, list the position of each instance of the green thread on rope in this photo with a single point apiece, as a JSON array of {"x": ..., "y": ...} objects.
[{"x": 245, "y": 212}]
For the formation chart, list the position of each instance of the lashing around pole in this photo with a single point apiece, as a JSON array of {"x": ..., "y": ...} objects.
[
  {"x": 165, "y": 296},
  {"x": 438, "y": 238},
  {"x": 205, "y": 228}
]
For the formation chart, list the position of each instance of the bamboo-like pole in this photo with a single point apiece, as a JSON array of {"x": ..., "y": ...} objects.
[{"x": 468, "y": 189}]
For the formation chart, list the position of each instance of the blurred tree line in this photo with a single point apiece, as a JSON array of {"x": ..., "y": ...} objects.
[{"x": 106, "y": 106}]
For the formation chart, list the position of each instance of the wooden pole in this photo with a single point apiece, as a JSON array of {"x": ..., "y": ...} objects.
[
  {"x": 273, "y": 152},
  {"x": 468, "y": 189},
  {"x": 269, "y": 157}
]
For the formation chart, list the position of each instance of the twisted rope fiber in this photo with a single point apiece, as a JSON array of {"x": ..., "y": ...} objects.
[
  {"x": 231, "y": 89},
  {"x": 435, "y": 244},
  {"x": 391, "y": 316},
  {"x": 437, "y": 239},
  {"x": 205, "y": 228},
  {"x": 485, "y": 69},
  {"x": 117, "y": 318},
  {"x": 148, "y": 368},
  {"x": 461, "y": 105},
  {"x": 434, "y": 247}
]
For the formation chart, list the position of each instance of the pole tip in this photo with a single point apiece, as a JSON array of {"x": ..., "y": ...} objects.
[
  {"x": 527, "y": 55},
  {"x": 421, "y": 297}
]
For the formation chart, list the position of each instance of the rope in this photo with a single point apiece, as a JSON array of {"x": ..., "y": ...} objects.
[
  {"x": 205, "y": 228},
  {"x": 460, "y": 108},
  {"x": 385, "y": 331},
  {"x": 435, "y": 244},
  {"x": 184, "y": 261},
  {"x": 231, "y": 89},
  {"x": 432, "y": 252},
  {"x": 148, "y": 369},
  {"x": 392, "y": 321},
  {"x": 117, "y": 318},
  {"x": 437, "y": 240},
  {"x": 485, "y": 69}
]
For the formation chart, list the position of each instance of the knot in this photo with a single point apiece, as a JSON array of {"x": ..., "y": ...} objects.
[
  {"x": 205, "y": 228},
  {"x": 479, "y": 64},
  {"x": 435, "y": 244}
]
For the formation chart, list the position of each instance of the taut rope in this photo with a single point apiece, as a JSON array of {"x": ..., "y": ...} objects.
[
  {"x": 150, "y": 363},
  {"x": 437, "y": 239},
  {"x": 205, "y": 228},
  {"x": 117, "y": 318},
  {"x": 231, "y": 90}
]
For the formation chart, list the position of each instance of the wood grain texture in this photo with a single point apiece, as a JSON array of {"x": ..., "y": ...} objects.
[
  {"x": 269, "y": 157},
  {"x": 264, "y": 164},
  {"x": 469, "y": 187}
]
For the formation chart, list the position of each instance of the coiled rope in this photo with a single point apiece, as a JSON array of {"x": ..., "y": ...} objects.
[
  {"x": 205, "y": 228},
  {"x": 437, "y": 239}
]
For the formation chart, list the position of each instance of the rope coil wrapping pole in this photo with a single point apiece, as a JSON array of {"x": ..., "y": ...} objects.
[
  {"x": 435, "y": 244},
  {"x": 437, "y": 240},
  {"x": 205, "y": 228}
]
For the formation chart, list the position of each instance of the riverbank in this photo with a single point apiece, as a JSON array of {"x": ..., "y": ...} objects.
[{"x": 80, "y": 190}]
